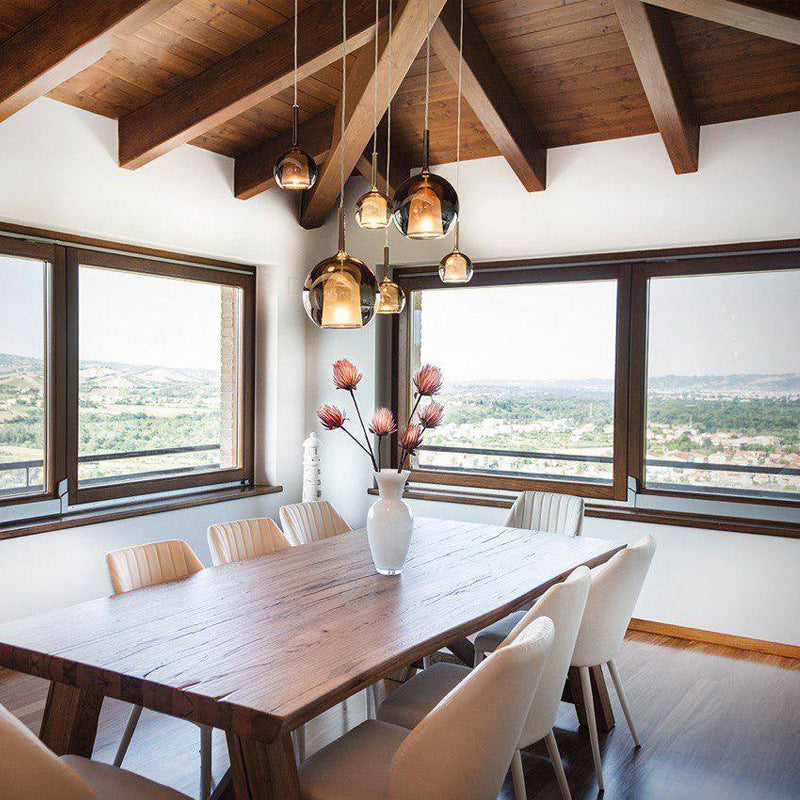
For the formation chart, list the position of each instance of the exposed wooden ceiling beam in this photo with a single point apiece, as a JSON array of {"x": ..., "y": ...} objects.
[
  {"x": 410, "y": 29},
  {"x": 252, "y": 172},
  {"x": 62, "y": 41},
  {"x": 738, "y": 14},
  {"x": 249, "y": 76},
  {"x": 651, "y": 40},
  {"x": 489, "y": 93}
]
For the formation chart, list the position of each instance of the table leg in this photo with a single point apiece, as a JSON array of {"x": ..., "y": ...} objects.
[
  {"x": 603, "y": 711},
  {"x": 69, "y": 725},
  {"x": 262, "y": 771}
]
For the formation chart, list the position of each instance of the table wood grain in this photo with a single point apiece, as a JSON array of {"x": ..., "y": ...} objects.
[{"x": 259, "y": 647}]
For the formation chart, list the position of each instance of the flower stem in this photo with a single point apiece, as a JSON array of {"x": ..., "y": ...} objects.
[
  {"x": 364, "y": 428},
  {"x": 359, "y": 444}
]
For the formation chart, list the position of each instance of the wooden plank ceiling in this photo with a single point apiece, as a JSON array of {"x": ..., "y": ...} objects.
[{"x": 569, "y": 63}]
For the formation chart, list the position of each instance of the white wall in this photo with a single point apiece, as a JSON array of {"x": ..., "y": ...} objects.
[
  {"x": 58, "y": 170},
  {"x": 609, "y": 196}
]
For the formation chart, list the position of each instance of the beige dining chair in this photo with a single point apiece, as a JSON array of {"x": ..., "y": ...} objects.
[
  {"x": 32, "y": 772},
  {"x": 309, "y": 522},
  {"x": 243, "y": 539},
  {"x": 133, "y": 568},
  {"x": 564, "y": 604},
  {"x": 547, "y": 511},
  {"x": 460, "y": 751}
]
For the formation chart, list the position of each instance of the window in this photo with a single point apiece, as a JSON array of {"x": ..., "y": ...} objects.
[
  {"x": 723, "y": 384},
  {"x": 160, "y": 376},
  {"x": 25, "y": 414},
  {"x": 531, "y": 387}
]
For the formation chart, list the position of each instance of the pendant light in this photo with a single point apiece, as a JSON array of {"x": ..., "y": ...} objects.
[
  {"x": 392, "y": 298},
  {"x": 295, "y": 169},
  {"x": 425, "y": 206},
  {"x": 341, "y": 291},
  {"x": 372, "y": 209},
  {"x": 456, "y": 267}
]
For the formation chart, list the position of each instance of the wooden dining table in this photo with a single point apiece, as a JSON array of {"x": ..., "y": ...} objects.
[{"x": 259, "y": 647}]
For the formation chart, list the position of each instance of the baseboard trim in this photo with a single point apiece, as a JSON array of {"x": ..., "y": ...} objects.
[{"x": 712, "y": 637}]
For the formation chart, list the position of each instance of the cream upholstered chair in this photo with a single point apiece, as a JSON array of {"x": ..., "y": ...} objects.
[
  {"x": 243, "y": 539},
  {"x": 309, "y": 522},
  {"x": 564, "y": 605},
  {"x": 31, "y": 772},
  {"x": 149, "y": 565},
  {"x": 545, "y": 511},
  {"x": 612, "y": 598},
  {"x": 459, "y": 751}
]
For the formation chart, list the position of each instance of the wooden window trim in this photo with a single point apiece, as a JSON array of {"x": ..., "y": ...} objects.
[
  {"x": 54, "y": 356},
  {"x": 641, "y": 265},
  {"x": 78, "y": 495}
]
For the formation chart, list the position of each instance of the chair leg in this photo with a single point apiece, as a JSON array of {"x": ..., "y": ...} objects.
[
  {"x": 479, "y": 656},
  {"x": 558, "y": 766},
  {"x": 518, "y": 777},
  {"x": 588, "y": 702},
  {"x": 299, "y": 735},
  {"x": 612, "y": 668},
  {"x": 426, "y": 662},
  {"x": 124, "y": 743},
  {"x": 372, "y": 701},
  {"x": 205, "y": 761}
]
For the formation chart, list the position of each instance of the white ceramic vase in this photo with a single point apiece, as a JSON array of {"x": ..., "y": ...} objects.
[{"x": 390, "y": 523}]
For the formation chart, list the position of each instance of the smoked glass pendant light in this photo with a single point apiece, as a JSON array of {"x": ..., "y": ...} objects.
[
  {"x": 372, "y": 209},
  {"x": 456, "y": 267},
  {"x": 295, "y": 169},
  {"x": 341, "y": 291},
  {"x": 425, "y": 206}
]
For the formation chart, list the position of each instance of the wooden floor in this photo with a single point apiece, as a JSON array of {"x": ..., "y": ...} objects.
[{"x": 716, "y": 724}]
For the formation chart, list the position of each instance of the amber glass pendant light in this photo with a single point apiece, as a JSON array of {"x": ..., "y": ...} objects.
[
  {"x": 456, "y": 267},
  {"x": 295, "y": 169},
  {"x": 341, "y": 291},
  {"x": 425, "y": 206},
  {"x": 372, "y": 209}
]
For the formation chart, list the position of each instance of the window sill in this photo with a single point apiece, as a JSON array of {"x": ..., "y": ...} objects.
[
  {"x": 95, "y": 516},
  {"x": 622, "y": 513}
]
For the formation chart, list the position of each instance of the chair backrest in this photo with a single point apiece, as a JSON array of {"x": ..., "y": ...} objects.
[
  {"x": 150, "y": 564},
  {"x": 564, "y": 604},
  {"x": 461, "y": 750},
  {"x": 309, "y": 522},
  {"x": 545, "y": 511},
  {"x": 29, "y": 771},
  {"x": 245, "y": 538},
  {"x": 612, "y": 598}
]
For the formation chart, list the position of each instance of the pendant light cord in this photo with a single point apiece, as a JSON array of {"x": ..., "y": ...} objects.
[
  {"x": 427, "y": 60},
  {"x": 388, "y": 116},
  {"x": 344, "y": 98},
  {"x": 295, "y": 52},
  {"x": 375, "y": 86}
]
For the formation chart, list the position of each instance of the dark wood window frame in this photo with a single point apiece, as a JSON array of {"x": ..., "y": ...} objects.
[
  {"x": 64, "y": 253},
  {"x": 631, "y": 371}
]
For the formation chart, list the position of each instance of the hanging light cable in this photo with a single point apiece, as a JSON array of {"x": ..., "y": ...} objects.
[
  {"x": 392, "y": 297},
  {"x": 425, "y": 206},
  {"x": 341, "y": 291},
  {"x": 295, "y": 169},
  {"x": 372, "y": 209},
  {"x": 456, "y": 267}
]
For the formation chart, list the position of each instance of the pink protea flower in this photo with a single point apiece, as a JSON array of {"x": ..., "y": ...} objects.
[
  {"x": 428, "y": 380},
  {"x": 411, "y": 438},
  {"x": 346, "y": 375},
  {"x": 382, "y": 422},
  {"x": 331, "y": 417},
  {"x": 431, "y": 415}
]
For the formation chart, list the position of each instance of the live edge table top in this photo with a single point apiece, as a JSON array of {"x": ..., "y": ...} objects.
[{"x": 261, "y": 646}]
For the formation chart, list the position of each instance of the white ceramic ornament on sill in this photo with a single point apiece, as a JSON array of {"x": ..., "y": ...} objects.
[{"x": 390, "y": 523}]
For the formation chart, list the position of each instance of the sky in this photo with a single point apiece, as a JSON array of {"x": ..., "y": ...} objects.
[{"x": 744, "y": 323}]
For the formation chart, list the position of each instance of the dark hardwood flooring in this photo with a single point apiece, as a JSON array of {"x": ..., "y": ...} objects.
[{"x": 716, "y": 724}]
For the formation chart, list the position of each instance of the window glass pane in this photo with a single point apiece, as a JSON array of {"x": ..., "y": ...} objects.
[
  {"x": 23, "y": 410},
  {"x": 158, "y": 376},
  {"x": 529, "y": 378},
  {"x": 723, "y": 394}
]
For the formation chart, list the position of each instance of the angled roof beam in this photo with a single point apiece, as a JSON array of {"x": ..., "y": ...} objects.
[
  {"x": 249, "y": 76},
  {"x": 651, "y": 41},
  {"x": 62, "y": 41},
  {"x": 740, "y": 14},
  {"x": 491, "y": 97},
  {"x": 410, "y": 29}
]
